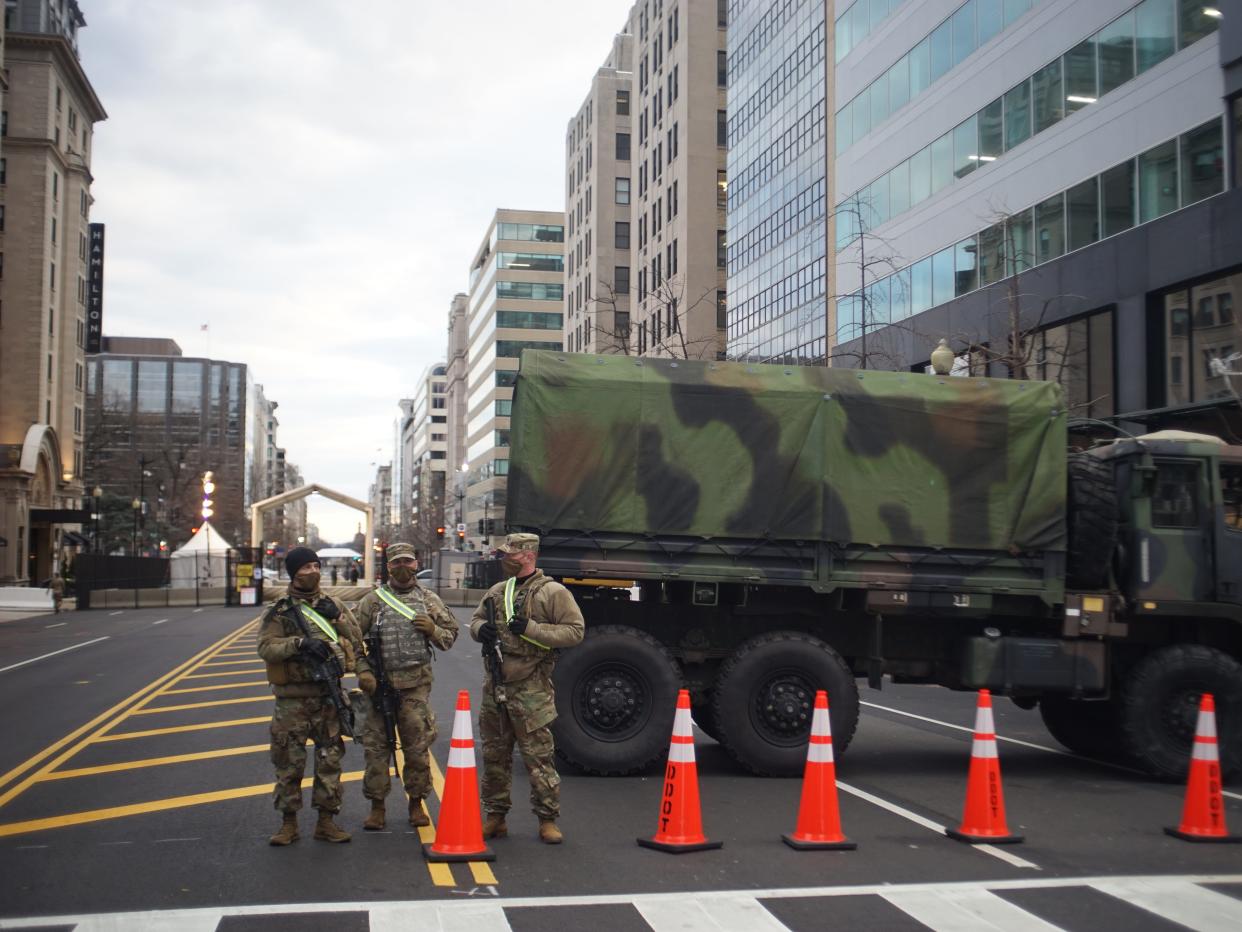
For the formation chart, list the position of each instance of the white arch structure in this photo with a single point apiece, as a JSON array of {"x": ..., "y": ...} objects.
[{"x": 267, "y": 504}]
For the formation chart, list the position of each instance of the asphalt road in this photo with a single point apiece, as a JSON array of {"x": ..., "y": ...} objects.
[{"x": 135, "y": 778}]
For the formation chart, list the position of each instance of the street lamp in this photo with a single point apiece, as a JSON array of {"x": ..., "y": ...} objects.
[
  {"x": 208, "y": 488},
  {"x": 133, "y": 544},
  {"x": 461, "y": 508},
  {"x": 96, "y": 494}
]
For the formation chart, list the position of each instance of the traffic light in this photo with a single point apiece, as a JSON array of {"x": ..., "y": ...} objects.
[
  {"x": 481, "y": 531},
  {"x": 440, "y": 531},
  {"x": 461, "y": 535}
]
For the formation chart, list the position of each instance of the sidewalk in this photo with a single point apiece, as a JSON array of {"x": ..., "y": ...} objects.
[{"x": 19, "y": 614}]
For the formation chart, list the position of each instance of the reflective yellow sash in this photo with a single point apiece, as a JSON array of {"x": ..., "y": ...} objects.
[
  {"x": 395, "y": 604},
  {"x": 324, "y": 625},
  {"x": 511, "y": 611}
]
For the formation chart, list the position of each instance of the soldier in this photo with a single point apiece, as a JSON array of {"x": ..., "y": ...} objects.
[
  {"x": 302, "y": 630},
  {"x": 57, "y": 587},
  {"x": 400, "y": 623},
  {"x": 537, "y": 615}
]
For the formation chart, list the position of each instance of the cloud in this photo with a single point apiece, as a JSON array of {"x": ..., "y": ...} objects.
[{"x": 312, "y": 179}]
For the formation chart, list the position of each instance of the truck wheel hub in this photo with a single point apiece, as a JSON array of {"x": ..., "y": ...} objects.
[
  {"x": 784, "y": 705},
  {"x": 614, "y": 701}
]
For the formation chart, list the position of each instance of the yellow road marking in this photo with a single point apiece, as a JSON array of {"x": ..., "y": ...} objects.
[
  {"x": 481, "y": 870},
  {"x": 199, "y": 705},
  {"x": 234, "y": 663},
  {"x": 208, "y": 676},
  {"x": 153, "y": 762},
  {"x": 97, "y": 720},
  {"x": 177, "y": 729},
  {"x": 204, "y": 689},
  {"x": 236, "y": 653},
  {"x": 156, "y": 805}
]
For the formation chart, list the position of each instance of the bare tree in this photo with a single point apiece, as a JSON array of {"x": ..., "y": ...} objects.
[{"x": 671, "y": 315}]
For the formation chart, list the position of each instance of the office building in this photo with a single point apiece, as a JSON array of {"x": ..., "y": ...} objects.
[
  {"x": 1046, "y": 185},
  {"x": 516, "y": 281},
  {"x": 645, "y": 183},
  {"x": 155, "y": 422},
  {"x": 421, "y": 467},
  {"x": 49, "y": 114}
]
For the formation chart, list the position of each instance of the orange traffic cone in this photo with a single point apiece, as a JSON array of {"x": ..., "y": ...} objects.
[
  {"x": 459, "y": 834},
  {"x": 983, "y": 819},
  {"x": 680, "y": 826},
  {"x": 1203, "y": 814},
  {"x": 819, "y": 819}
]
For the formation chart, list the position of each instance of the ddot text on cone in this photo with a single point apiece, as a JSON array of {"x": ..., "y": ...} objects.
[
  {"x": 1203, "y": 811},
  {"x": 983, "y": 817},
  {"x": 679, "y": 827}
]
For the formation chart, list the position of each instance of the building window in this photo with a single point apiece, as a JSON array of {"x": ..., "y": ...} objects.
[
  {"x": 1079, "y": 356},
  {"x": 621, "y": 279},
  {"x": 622, "y": 191},
  {"x": 1200, "y": 327},
  {"x": 623, "y": 147},
  {"x": 4, "y": 171},
  {"x": 721, "y": 248},
  {"x": 722, "y": 128},
  {"x": 623, "y": 103},
  {"x": 622, "y": 235},
  {"x": 722, "y": 68}
]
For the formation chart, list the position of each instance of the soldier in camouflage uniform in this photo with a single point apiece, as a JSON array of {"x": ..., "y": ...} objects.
[
  {"x": 304, "y": 708},
  {"x": 402, "y": 621},
  {"x": 535, "y": 617}
]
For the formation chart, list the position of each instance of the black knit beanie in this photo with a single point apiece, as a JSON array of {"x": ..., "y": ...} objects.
[{"x": 297, "y": 558}]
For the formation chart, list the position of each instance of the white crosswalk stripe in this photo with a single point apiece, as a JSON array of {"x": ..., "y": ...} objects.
[
  {"x": 710, "y": 914},
  {"x": 966, "y": 911},
  {"x": 942, "y": 907},
  {"x": 1186, "y": 903}
]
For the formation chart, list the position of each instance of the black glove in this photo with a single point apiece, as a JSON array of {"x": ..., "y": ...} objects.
[
  {"x": 517, "y": 624},
  {"x": 316, "y": 648},
  {"x": 488, "y": 635},
  {"x": 328, "y": 609}
]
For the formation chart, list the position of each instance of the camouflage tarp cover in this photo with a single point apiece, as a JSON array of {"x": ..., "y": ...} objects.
[{"x": 720, "y": 449}]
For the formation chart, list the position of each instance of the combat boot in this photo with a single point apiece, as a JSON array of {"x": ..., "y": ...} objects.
[
  {"x": 418, "y": 818},
  {"x": 494, "y": 825},
  {"x": 288, "y": 832},
  {"x": 375, "y": 821},
  {"x": 549, "y": 834},
  {"x": 327, "y": 830}
]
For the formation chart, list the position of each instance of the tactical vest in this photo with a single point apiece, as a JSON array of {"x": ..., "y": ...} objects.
[{"x": 403, "y": 648}]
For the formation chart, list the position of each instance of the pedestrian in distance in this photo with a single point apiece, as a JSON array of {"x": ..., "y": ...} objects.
[
  {"x": 522, "y": 623},
  {"x": 401, "y": 623},
  {"x": 334, "y": 575},
  {"x": 309, "y": 641},
  {"x": 56, "y": 586}
]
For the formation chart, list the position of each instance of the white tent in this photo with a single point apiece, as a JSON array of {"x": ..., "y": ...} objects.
[
  {"x": 200, "y": 561},
  {"x": 338, "y": 553}
]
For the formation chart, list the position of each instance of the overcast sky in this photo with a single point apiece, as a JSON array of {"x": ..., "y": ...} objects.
[{"x": 311, "y": 179}]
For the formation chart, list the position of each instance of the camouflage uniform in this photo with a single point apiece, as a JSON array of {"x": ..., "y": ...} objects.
[
  {"x": 416, "y": 722},
  {"x": 303, "y": 709},
  {"x": 524, "y": 719}
]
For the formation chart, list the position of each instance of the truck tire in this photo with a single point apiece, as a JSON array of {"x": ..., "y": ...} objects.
[
  {"x": 1160, "y": 705},
  {"x": 1091, "y": 521},
  {"x": 704, "y": 714},
  {"x": 765, "y": 695},
  {"x": 616, "y": 694},
  {"x": 1091, "y": 728}
]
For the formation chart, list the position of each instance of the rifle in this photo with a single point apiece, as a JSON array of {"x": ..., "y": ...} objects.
[
  {"x": 329, "y": 673},
  {"x": 493, "y": 659},
  {"x": 385, "y": 698}
]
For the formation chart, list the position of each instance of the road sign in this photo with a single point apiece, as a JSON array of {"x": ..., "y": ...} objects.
[{"x": 461, "y": 528}]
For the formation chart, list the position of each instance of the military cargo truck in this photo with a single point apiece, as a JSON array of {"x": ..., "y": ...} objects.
[{"x": 757, "y": 532}]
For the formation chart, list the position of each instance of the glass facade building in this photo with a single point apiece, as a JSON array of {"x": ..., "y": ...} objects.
[
  {"x": 777, "y": 187},
  {"x": 517, "y": 284},
  {"x": 1051, "y": 187}
]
